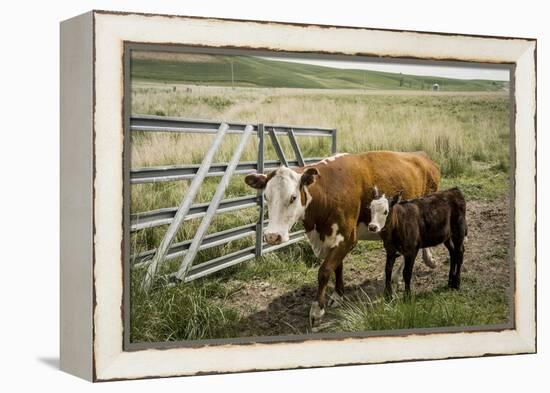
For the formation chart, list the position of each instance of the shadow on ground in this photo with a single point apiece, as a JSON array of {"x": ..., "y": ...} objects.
[
  {"x": 288, "y": 314},
  {"x": 52, "y": 362}
]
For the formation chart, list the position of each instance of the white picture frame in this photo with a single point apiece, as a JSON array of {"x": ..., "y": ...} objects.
[{"x": 92, "y": 195}]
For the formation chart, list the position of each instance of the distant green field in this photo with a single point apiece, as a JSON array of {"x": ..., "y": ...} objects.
[{"x": 251, "y": 71}]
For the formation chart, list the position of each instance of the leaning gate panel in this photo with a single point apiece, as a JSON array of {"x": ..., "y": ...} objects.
[{"x": 175, "y": 217}]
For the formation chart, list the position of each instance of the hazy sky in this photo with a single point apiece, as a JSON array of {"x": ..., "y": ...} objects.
[{"x": 412, "y": 69}]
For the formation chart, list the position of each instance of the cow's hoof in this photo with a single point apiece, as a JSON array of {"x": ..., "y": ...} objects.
[
  {"x": 315, "y": 314},
  {"x": 335, "y": 300},
  {"x": 454, "y": 284},
  {"x": 430, "y": 263}
]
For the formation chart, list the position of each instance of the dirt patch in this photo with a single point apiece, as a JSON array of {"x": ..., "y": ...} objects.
[{"x": 275, "y": 310}]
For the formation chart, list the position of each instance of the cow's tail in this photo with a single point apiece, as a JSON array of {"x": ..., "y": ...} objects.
[
  {"x": 461, "y": 206},
  {"x": 433, "y": 178},
  {"x": 433, "y": 174}
]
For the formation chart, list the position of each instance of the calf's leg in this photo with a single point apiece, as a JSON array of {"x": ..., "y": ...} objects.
[
  {"x": 390, "y": 260},
  {"x": 458, "y": 256},
  {"x": 407, "y": 271},
  {"x": 459, "y": 235},
  {"x": 452, "y": 266},
  {"x": 456, "y": 250}
]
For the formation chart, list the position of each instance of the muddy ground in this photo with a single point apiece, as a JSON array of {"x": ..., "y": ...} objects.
[{"x": 278, "y": 310}]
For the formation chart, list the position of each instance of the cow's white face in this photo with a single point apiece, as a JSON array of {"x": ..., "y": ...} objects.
[
  {"x": 379, "y": 209},
  {"x": 284, "y": 205},
  {"x": 282, "y": 192}
]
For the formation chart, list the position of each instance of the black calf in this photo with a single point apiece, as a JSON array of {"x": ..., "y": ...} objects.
[{"x": 407, "y": 226}]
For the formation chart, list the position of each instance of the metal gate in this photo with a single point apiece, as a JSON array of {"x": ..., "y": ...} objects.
[{"x": 174, "y": 217}]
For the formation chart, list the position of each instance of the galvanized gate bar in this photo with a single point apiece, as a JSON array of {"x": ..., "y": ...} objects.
[
  {"x": 296, "y": 147},
  {"x": 189, "y": 248},
  {"x": 188, "y": 172},
  {"x": 220, "y": 263},
  {"x": 184, "y": 207},
  {"x": 236, "y": 257},
  {"x": 212, "y": 240},
  {"x": 260, "y": 224},
  {"x": 277, "y": 146},
  {"x": 175, "y": 124},
  {"x": 218, "y": 195},
  {"x": 184, "y": 172},
  {"x": 154, "y": 218}
]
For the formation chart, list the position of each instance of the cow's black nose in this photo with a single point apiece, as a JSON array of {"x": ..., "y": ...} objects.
[
  {"x": 273, "y": 238},
  {"x": 372, "y": 227}
]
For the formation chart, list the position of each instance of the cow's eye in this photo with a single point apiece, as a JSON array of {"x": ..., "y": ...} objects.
[
  {"x": 385, "y": 212},
  {"x": 292, "y": 198}
]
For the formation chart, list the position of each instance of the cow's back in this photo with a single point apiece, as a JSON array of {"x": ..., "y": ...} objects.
[
  {"x": 346, "y": 181},
  {"x": 413, "y": 173}
]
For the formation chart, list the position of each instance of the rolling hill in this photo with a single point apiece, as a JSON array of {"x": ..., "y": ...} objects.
[{"x": 251, "y": 71}]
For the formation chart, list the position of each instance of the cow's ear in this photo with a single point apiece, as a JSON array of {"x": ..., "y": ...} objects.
[
  {"x": 256, "y": 180},
  {"x": 309, "y": 177},
  {"x": 397, "y": 198}
]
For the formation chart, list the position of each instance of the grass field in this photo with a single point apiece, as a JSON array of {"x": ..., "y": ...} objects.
[
  {"x": 259, "y": 72},
  {"x": 467, "y": 134}
]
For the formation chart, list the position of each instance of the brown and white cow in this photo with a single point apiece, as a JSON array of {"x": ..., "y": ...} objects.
[
  {"x": 332, "y": 197},
  {"x": 409, "y": 225}
]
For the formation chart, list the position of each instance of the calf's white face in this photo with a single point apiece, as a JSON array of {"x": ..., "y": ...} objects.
[
  {"x": 282, "y": 192},
  {"x": 379, "y": 209}
]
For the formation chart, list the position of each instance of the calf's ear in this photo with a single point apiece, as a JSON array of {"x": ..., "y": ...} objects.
[
  {"x": 256, "y": 180},
  {"x": 309, "y": 177},
  {"x": 397, "y": 198}
]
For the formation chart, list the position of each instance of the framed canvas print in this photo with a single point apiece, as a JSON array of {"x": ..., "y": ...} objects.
[{"x": 248, "y": 195}]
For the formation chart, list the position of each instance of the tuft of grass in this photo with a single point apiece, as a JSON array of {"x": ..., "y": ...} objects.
[
  {"x": 434, "y": 309},
  {"x": 485, "y": 185},
  {"x": 182, "y": 312},
  {"x": 290, "y": 266},
  {"x": 454, "y": 166},
  {"x": 202, "y": 309}
]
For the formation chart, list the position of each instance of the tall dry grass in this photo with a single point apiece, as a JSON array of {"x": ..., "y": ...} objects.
[{"x": 453, "y": 130}]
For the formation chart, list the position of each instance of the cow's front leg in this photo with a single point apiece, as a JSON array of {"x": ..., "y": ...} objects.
[
  {"x": 337, "y": 296},
  {"x": 330, "y": 264},
  {"x": 317, "y": 309}
]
